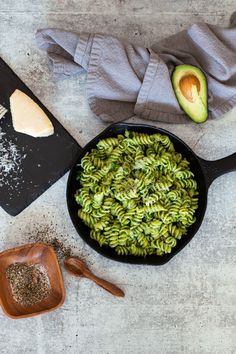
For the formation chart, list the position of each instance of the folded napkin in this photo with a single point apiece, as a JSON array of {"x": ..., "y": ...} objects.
[{"x": 124, "y": 79}]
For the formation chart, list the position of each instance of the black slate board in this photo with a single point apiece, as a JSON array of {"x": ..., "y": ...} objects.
[{"x": 46, "y": 159}]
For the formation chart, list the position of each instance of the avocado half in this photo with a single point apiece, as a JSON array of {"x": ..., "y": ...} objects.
[{"x": 190, "y": 87}]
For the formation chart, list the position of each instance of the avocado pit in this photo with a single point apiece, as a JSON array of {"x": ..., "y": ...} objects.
[{"x": 186, "y": 86}]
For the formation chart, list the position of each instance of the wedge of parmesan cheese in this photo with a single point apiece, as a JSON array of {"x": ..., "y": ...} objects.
[{"x": 28, "y": 117}]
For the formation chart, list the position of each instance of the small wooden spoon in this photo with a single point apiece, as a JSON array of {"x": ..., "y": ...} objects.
[{"x": 79, "y": 269}]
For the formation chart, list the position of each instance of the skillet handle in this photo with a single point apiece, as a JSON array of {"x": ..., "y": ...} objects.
[{"x": 216, "y": 168}]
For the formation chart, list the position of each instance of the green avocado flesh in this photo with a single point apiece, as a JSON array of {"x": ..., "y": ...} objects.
[{"x": 190, "y": 87}]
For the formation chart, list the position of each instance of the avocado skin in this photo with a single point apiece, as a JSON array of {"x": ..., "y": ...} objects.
[{"x": 197, "y": 110}]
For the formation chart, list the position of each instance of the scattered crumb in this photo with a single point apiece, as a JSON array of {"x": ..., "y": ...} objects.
[{"x": 10, "y": 162}]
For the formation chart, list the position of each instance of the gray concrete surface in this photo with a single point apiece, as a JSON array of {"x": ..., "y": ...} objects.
[{"x": 187, "y": 306}]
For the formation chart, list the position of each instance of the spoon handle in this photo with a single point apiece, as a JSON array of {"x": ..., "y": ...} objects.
[{"x": 111, "y": 288}]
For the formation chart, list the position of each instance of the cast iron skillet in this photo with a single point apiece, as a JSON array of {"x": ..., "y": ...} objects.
[{"x": 205, "y": 172}]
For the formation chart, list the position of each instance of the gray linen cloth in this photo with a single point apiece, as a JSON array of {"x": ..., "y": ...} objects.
[{"x": 124, "y": 80}]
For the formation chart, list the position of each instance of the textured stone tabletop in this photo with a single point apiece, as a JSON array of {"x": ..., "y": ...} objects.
[{"x": 187, "y": 306}]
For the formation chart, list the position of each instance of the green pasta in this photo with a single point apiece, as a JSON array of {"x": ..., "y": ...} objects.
[{"x": 137, "y": 194}]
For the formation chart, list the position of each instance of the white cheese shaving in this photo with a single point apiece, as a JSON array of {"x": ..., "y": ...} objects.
[{"x": 10, "y": 161}]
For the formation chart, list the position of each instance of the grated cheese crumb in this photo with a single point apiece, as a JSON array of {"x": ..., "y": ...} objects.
[{"x": 11, "y": 158}]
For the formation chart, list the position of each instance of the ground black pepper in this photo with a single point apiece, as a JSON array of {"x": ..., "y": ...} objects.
[
  {"x": 48, "y": 235},
  {"x": 29, "y": 283}
]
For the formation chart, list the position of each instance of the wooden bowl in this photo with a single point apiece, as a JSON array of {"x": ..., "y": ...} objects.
[{"x": 35, "y": 253}]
